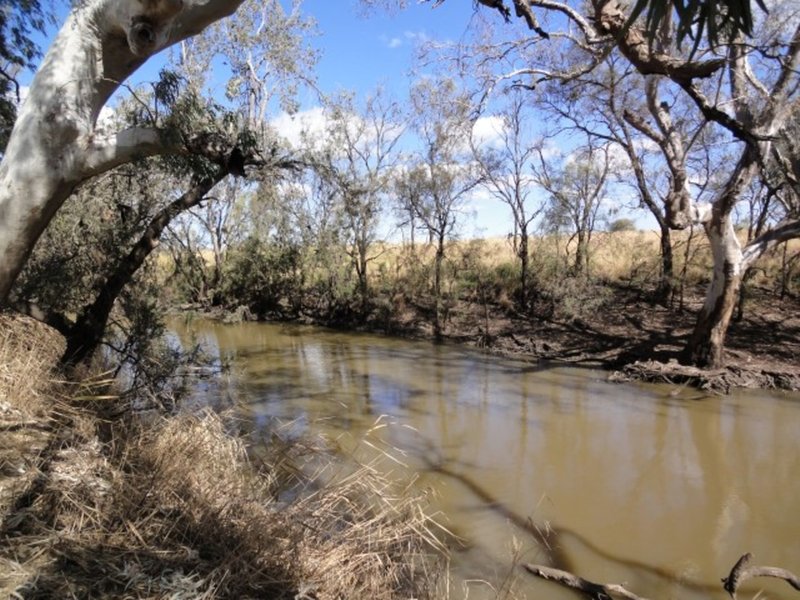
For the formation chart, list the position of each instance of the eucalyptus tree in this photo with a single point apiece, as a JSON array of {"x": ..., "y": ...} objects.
[
  {"x": 358, "y": 158},
  {"x": 55, "y": 144},
  {"x": 267, "y": 57},
  {"x": 745, "y": 88},
  {"x": 442, "y": 173},
  {"x": 506, "y": 168},
  {"x": 119, "y": 218},
  {"x": 577, "y": 186},
  {"x": 605, "y": 105}
]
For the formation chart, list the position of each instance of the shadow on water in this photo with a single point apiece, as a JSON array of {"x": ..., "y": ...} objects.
[
  {"x": 550, "y": 537},
  {"x": 669, "y": 486}
]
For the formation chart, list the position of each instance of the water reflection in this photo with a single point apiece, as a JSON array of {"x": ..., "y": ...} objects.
[{"x": 632, "y": 484}]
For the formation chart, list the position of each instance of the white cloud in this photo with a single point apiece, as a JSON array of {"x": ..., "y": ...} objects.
[
  {"x": 391, "y": 42},
  {"x": 488, "y": 131},
  {"x": 293, "y": 127},
  {"x": 416, "y": 36}
]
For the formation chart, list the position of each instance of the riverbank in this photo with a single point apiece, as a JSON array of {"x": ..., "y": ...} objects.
[
  {"x": 631, "y": 337},
  {"x": 99, "y": 500},
  {"x": 637, "y": 340}
]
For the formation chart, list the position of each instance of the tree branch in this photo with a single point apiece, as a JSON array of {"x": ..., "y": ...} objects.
[
  {"x": 632, "y": 41},
  {"x": 598, "y": 591},
  {"x": 741, "y": 572},
  {"x": 769, "y": 239},
  {"x": 199, "y": 14},
  {"x": 105, "y": 153},
  {"x": 524, "y": 11},
  {"x": 712, "y": 113},
  {"x": 640, "y": 125}
]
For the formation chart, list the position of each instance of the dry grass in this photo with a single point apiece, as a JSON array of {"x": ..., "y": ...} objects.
[
  {"x": 176, "y": 508},
  {"x": 27, "y": 352}
]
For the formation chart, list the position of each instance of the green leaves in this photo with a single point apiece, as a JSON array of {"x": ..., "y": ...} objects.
[{"x": 718, "y": 20}]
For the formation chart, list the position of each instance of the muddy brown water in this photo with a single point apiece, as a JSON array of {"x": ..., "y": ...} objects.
[{"x": 661, "y": 488}]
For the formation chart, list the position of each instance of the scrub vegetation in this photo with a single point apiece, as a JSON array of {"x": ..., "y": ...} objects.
[{"x": 176, "y": 200}]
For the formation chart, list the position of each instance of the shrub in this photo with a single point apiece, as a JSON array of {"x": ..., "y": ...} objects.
[
  {"x": 622, "y": 225},
  {"x": 262, "y": 276}
]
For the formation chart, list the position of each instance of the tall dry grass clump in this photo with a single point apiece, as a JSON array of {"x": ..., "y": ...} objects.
[
  {"x": 175, "y": 507},
  {"x": 28, "y": 351}
]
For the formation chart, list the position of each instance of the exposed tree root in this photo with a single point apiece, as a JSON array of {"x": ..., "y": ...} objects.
[
  {"x": 718, "y": 381},
  {"x": 741, "y": 572}
]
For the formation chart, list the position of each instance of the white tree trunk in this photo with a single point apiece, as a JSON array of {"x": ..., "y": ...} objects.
[
  {"x": 707, "y": 343},
  {"x": 55, "y": 144}
]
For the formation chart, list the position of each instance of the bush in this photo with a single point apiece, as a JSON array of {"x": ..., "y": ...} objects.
[
  {"x": 263, "y": 277},
  {"x": 622, "y": 225}
]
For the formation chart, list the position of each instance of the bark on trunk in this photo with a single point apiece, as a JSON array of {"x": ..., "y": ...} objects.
[
  {"x": 54, "y": 145},
  {"x": 363, "y": 282},
  {"x": 86, "y": 334},
  {"x": 707, "y": 343},
  {"x": 524, "y": 267},
  {"x": 580, "y": 267},
  {"x": 667, "y": 283},
  {"x": 437, "y": 289}
]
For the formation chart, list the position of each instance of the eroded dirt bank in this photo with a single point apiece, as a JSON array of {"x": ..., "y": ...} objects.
[{"x": 636, "y": 340}]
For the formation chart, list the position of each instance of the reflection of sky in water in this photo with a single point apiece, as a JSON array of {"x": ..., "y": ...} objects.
[{"x": 632, "y": 471}]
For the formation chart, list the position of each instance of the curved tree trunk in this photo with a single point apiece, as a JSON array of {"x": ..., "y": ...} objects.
[
  {"x": 85, "y": 335},
  {"x": 55, "y": 145}
]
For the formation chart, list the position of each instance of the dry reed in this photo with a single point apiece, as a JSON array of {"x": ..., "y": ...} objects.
[{"x": 177, "y": 508}]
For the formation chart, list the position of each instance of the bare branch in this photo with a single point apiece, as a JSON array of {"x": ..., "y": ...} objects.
[
  {"x": 199, "y": 14},
  {"x": 741, "y": 572},
  {"x": 789, "y": 66},
  {"x": 712, "y": 113},
  {"x": 524, "y": 11},
  {"x": 590, "y": 588},
  {"x": 585, "y": 26},
  {"x": 640, "y": 125},
  {"x": 768, "y": 240}
]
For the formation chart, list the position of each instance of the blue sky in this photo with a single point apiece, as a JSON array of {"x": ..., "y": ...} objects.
[{"x": 360, "y": 52}]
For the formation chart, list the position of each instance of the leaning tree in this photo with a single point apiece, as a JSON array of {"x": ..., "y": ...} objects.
[{"x": 56, "y": 143}]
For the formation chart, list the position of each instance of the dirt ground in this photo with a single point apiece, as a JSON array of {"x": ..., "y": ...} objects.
[{"x": 637, "y": 339}]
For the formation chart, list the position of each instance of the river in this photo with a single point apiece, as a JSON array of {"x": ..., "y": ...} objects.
[{"x": 661, "y": 488}]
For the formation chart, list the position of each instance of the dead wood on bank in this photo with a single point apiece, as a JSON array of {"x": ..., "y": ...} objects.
[
  {"x": 741, "y": 572},
  {"x": 600, "y": 591},
  {"x": 715, "y": 381}
]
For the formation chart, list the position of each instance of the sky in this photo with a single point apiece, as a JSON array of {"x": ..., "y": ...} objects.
[{"x": 361, "y": 52}]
